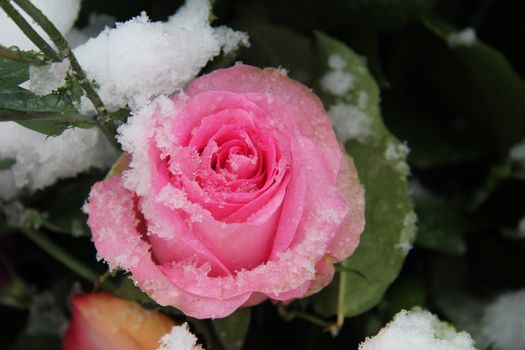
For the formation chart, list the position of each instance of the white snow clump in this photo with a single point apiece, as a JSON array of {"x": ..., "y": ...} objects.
[
  {"x": 337, "y": 81},
  {"x": 179, "y": 338},
  {"x": 140, "y": 60},
  {"x": 41, "y": 160},
  {"x": 503, "y": 321},
  {"x": 350, "y": 122},
  {"x": 416, "y": 330},
  {"x": 63, "y": 14},
  {"x": 466, "y": 37}
]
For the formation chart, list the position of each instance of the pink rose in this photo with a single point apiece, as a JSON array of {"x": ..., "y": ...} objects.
[{"x": 237, "y": 191}]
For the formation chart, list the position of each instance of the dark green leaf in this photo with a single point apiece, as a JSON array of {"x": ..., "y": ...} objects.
[
  {"x": 232, "y": 330},
  {"x": 440, "y": 225},
  {"x": 128, "y": 290},
  {"x": 390, "y": 219},
  {"x": 490, "y": 88},
  {"x": 277, "y": 46},
  {"x": 61, "y": 204},
  {"x": 7, "y": 163},
  {"x": 50, "y": 114},
  {"x": 12, "y": 73}
]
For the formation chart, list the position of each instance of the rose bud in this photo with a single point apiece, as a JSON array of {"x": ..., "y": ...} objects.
[{"x": 101, "y": 321}]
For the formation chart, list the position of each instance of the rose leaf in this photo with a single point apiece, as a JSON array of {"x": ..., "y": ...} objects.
[
  {"x": 232, "y": 330},
  {"x": 380, "y": 160}
]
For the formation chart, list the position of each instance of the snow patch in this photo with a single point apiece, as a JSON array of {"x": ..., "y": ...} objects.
[
  {"x": 407, "y": 233},
  {"x": 179, "y": 338},
  {"x": 42, "y": 160},
  {"x": 140, "y": 59},
  {"x": 416, "y": 330},
  {"x": 396, "y": 153},
  {"x": 465, "y": 38},
  {"x": 504, "y": 321},
  {"x": 337, "y": 81},
  {"x": 62, "y": 13},
  {"x": 350, "y": 123}
]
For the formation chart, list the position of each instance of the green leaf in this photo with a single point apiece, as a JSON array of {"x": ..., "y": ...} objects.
[
  {"x": 50, "y": 114},
  {"x": 277, "y": 46},
  {"x": 440, "y": 224},
  {"x": 12, "y": 73},
  {"x": 128, "y": 290},
  {"x": 390, "y": 219},
  {"x": 232, "y": 330},
  {"x": 489, "y": 87},
  {"x": 7, "y": 163}
]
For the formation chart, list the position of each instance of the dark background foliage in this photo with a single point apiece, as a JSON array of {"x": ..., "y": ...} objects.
[{"x": 459, "y": 113}]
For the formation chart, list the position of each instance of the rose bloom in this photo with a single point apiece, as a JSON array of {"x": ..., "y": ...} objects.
[
  {"x": 237, "y": 191},
  {"x": 101, "y": 321}
]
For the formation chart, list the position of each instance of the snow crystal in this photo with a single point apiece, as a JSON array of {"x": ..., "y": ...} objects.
[
  {"x": 350, "y": 123},
  {"x": 517, "y": 152},
  {"x": 466, "y": 37},
  {"x": 337, "y": 82},
  {"x": 408, "y": 232},
  {"x": 504, "y": 321},
  {"x": 139, "y": 59},
  {"x": 397, "y": 153},
  {"x": 336, "y": 62},
  {"x": 179, "y": 338},
  {"x": 416, "y": 330},
  {"x": 62, "y": 13},
  {"x": 41, "y": 160}
]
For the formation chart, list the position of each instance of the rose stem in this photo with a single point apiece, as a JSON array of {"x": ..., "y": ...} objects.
[
  {"x": 103, "y": 121},
  {"x": 19, "y": 56},
  {"x": 341, "y": 301},
  {"x": 59, "y": 254},
  {"x": 28, "y": 30},
  {"x": 289, "y": 315}
]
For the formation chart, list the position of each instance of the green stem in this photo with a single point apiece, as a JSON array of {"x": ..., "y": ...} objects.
[
  {"x": 19, "y": 56},
  {"x": 59, "y": 254},
  {"x": 28, "y": 30},
  {"x": 341, "y": 301},
  {"x": 104, "y": 120},
  {"x": 289, "y": 315}
]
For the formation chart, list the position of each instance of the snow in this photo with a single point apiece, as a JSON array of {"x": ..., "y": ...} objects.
[
  {"x": 336, "y": 62},
  {"x": 62, "y": 13},
  {"x": 466, "y": 37},
  {"x": 179, "y": 338},
  {"x": 140, "y": 59},
  {"x": 517, "y": 152},
  {"x": 504, "y": 321},
  {"x": 44, "y": 80},
  {"x": 350, "y": 123},
  {"x": 337, "y": 81},
  {"x": 415, "y": 330},
  {"x": 408, "y": 233},
  {"x": 396, "y": 153},
  {"x": 41, "y": 160}
]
